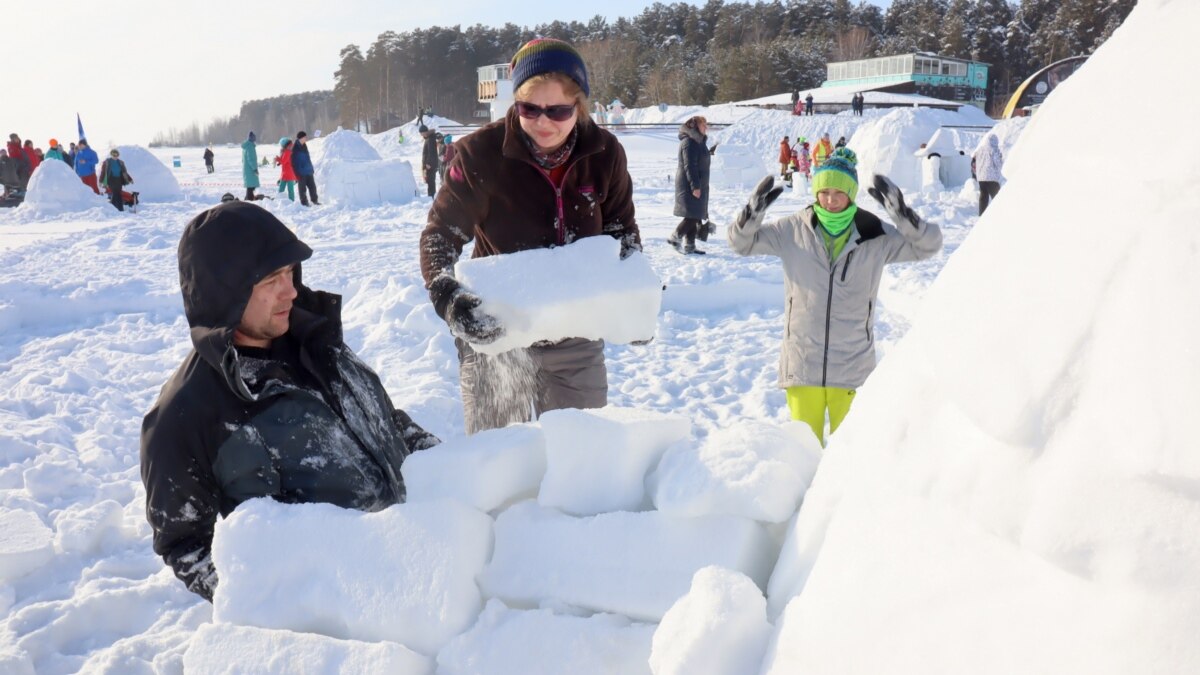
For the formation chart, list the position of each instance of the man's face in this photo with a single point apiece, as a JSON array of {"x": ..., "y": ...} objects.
[{"x": 266, "y": 315}]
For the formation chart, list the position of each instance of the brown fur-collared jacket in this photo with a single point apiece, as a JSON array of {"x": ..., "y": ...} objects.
[{"x": 497, "y": 195}]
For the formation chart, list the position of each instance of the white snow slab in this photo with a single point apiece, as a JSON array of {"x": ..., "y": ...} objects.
[
  {"x": 635, "y": 564},
  {"x": 152, "y": 180},
  {"x": 224, "y": 649},
  {"x": 580, "y": 290},
  {"x": 719, "y": 628},
  {"x": 350, "y": 172},
  {"x": 486, "y": 470},
  {"x": 362, "y": 184},
  {"x": 539, "y": 642},
  {"x": 757, "y": 470},
  {"x": 991, "y": 505},
  {"x": 25, "y": 543},
  {"x": 597, "y": 460},
  {"x": 54, "y": 188},
  {"x": 405, "y": 574}
]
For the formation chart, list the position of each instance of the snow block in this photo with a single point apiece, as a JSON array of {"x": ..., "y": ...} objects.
[
  {"x": 152, "y": 180},
  {"x": 350, "y": 172},
  {"x": 54, "y": 188},
  {"x": 753, "y": 469},
  {"x": 223, "y": 649},
  {"x": 580, "y": 290},
  {"x": 635, "y": 564},
  {"x": 597, "y": 460},
  {"x": 405, "y": 574},
  {"x": 487, "y": 470},
  {"x": 719, "y": 628},
  {"x": 25, "y": 543},
  {"x": 501, "y": 641}
]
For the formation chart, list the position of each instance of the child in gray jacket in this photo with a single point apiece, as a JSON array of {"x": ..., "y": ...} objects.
[{"x": 833, "y": 254}]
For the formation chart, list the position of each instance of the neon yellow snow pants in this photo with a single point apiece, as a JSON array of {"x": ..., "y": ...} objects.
[{"x": 808, "y": 405}]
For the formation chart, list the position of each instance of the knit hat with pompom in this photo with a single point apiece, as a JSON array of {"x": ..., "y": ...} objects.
[{"x": 839, "y": 172}]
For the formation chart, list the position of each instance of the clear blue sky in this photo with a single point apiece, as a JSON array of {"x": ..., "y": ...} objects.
[{"x": 137, "y": 67}]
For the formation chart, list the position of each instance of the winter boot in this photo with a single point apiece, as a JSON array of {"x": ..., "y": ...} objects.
[
  {"x": 674, "y": 241},
  {"x": 689, "y": 245}
]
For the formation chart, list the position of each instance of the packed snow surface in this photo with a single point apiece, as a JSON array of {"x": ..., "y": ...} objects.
[{"x": 991, "y": 503}]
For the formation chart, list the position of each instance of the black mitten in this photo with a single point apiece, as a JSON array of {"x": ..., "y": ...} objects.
[
  {"x": 459, "y": 308},
  {"x": 754, "y": 210},
  {"x": 886, "y": 193}
]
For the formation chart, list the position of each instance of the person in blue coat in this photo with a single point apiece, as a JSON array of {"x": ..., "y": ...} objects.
[
  {"x": 86, "y": 160},
  {"x": 303, "y": 166},
  {"x": 250, "y": 168}
]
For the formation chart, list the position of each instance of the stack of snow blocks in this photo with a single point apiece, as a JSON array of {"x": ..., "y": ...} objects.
[{"x": 554, "y": 546}]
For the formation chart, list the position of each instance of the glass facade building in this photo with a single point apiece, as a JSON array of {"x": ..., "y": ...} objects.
[{"x": 922, "y": 73}]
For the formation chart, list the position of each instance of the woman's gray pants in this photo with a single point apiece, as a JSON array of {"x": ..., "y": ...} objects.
[{"x": 520, "y": 385}]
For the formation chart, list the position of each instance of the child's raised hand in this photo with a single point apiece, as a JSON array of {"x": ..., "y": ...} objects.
[
  {"x": 764, "y": 194},
  {"x": 886, "y": 193}
]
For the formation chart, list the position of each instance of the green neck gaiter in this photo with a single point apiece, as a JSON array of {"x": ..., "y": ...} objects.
[{"x": 835, "y": 223}]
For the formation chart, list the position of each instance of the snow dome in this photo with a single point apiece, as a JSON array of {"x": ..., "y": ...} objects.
[
  {"x": 55, "y": 188},
  {"x": 152, "y": 180},
  {"x": 351, "y": 172}
]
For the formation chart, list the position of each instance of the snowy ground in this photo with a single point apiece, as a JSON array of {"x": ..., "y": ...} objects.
[
  {"x": 92, "y": 326},
  {"x": 991, "y": 473}
]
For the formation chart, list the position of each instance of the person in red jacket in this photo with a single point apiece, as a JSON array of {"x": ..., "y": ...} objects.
[
  {"x": 24, "y": 165},
  {"x": 785, "y": 157},
  {"x": 287, "y": 175},
  {"x": 34, "y": 158}
]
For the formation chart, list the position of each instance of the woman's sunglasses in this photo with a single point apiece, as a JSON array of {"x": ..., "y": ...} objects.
[{"x": 558, "y": 113}]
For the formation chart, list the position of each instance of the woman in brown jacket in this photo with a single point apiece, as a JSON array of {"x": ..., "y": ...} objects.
[{"x": 543, "y": 176}]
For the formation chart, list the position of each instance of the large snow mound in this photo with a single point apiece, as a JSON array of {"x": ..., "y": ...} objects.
[
  {"x": 55, "y": 188},
  {"x": 152, "y": 180},
  {"x": 993, "y": 506}
]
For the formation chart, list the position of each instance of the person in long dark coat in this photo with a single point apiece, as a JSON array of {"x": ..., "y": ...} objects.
[{"x": 691, "y": 186}]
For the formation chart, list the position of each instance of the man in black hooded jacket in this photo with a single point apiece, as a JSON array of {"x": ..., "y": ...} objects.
[{"x": 269, "y": 403}]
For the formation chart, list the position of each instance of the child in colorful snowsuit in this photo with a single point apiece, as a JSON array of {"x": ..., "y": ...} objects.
[{"x": 833, "y": 254}]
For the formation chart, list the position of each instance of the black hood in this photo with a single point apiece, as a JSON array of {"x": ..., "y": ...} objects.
[{"x": 224, "y": 251}]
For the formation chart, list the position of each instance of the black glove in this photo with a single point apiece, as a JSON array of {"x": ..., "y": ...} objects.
[
  {"x": 459, "y": 308},
  {"x": 414, "y": 436},
  {"x": 886, "y": 193},
  {"x": 764, "y": 194}
]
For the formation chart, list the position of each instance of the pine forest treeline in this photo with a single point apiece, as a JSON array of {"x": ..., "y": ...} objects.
[
  {"x": 685, "y": 54},
  {"x": 268, "y": 118}
]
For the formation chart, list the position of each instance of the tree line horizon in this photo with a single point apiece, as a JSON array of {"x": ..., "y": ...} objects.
[{"x": 678, "y": 54}]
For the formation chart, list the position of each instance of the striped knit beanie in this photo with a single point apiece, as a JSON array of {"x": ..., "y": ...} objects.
[
  {"x": 839, "y": 172},
  {"x": 547, "y": 55}
]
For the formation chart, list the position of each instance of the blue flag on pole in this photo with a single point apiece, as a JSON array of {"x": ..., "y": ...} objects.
[{"x": 79, "y": 123}]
